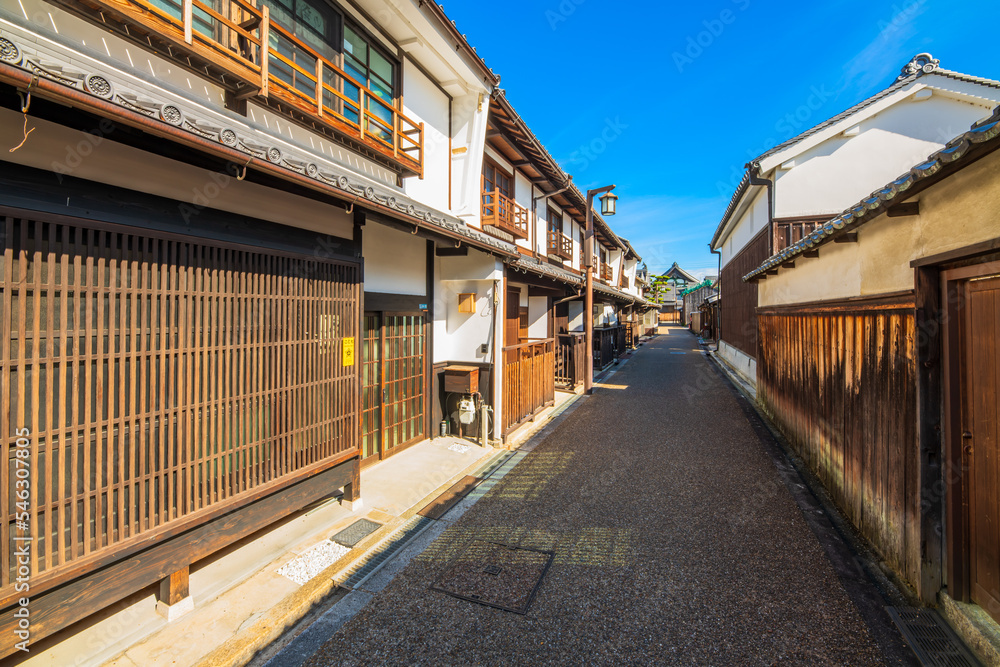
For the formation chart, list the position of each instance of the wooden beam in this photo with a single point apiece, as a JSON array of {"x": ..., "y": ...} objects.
[
  {"x": 811, "y": 253},
  {"x": 903, "y": 209},
  {"x": 451, "y": 251},
  {"x": 788, "y": 265},
  {"x": 850, "y": 237}
]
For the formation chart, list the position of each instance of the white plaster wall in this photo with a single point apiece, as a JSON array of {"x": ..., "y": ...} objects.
[
  {"x": 123, "y": 166},
  {"x": 522, "y": 195},
  {"x": 538, "y": 317},
  {"x": 424, "y": 102},
  {"x": 957, "y": 212},
  {"x": 576, "y": 315},
  {"x": 841, "y": 171},
  {"x": 751, "y": 221},
  {"x": 458, "y": 336},
  {"x": 469, "y": 133},
  {"x": 395, "y": 261}
]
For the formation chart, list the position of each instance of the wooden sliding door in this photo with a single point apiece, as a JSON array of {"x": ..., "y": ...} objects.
[{"x": 395, "y": 378}]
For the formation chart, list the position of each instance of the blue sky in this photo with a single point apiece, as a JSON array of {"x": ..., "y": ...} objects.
[{"x": 669, "y": 100}]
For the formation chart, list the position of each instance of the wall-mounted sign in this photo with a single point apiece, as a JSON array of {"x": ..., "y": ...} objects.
[{"x": 348, "y": 352}]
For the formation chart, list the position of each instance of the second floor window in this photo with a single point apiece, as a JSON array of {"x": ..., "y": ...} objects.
[
  {"x": 555, "y": 221},
  {"x": 318, "y": 26},
  {"x": 495, "y": 178}
]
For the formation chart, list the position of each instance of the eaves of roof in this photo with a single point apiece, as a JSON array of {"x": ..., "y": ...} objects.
[
  {"x": 529, "y": 143},
  {"x": 960, "y": 152},
  {"x": 545, "y": 269},
  {"x": 462, "y": 43}
]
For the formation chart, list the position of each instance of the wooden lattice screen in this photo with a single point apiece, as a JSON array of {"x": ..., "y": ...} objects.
[{"x": 163, "y": 379}]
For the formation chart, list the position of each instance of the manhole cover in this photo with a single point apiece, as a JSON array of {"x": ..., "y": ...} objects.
[
  {"x": 496, "y": 575},
  {"x": 356, "y": 532},
  {"x": 935, "y": 644}
]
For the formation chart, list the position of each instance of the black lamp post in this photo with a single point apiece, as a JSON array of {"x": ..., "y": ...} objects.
[{"x": 608, "y": 206}]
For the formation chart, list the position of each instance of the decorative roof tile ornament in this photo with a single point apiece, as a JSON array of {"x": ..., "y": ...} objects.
[
  {"x": 922, "y": 63},
  {"x": 100, "y": 86},
  {"x": 9, "y": 51}
]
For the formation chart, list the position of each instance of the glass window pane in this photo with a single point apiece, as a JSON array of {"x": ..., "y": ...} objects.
[
  {"x": 381, "y": 67},
  {"x": 354, "y": 45}
]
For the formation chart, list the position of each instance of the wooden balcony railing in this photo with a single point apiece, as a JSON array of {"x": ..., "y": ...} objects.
[
  {"x": 313, "y": 85},
  {"x": 607, "y": 275},
  {"x": 225, "y": 40},
  {"x": 528, "y": 381},
  {"x": 571, "y": 350},
  {"x": 502, "y": 213},
  {"x": 623, "y": 281},
  {"x": 560, "y": 245},
  {"x": 220, "y": 38}
]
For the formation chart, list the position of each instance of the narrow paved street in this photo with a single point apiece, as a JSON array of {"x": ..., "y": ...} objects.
[{"x": 675, "y": 542}]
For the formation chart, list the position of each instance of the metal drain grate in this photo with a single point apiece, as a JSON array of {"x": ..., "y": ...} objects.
[
  {"x": 930, "y": 638},
  {"x": 381, "y": 554},
  {"x": 357, "y": 531}
]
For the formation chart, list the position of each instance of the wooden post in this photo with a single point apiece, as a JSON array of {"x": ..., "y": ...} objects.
[
  {"x": 265, "y": 50},
  {"x": 929, "y": 510},
  {"x": 187, "y": 13},
  {"x": 319, "y": 87},
  {"x": 175, "y": 587},
  {"x": 361, "y": 112},
  {"x": 352, "y": 490},
  {"x": 174, "y": 599}
]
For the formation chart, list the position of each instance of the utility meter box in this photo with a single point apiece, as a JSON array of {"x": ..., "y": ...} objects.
[{"x": 461, "y": 379}]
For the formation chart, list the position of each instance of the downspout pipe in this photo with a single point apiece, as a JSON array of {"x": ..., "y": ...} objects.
[
  {"x": 753, "y": 169},
  {"x": 718, "y": 324}
]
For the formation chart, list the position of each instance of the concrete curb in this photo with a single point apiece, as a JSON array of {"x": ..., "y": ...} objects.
[{"x": 241, "y": 648}]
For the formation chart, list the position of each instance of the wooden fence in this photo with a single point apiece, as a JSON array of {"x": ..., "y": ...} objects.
[
  {"x": 571, "y": 359},
  {"x": 528, "y": 381},
  {"x": 609, "y": 344},
  {"x": 841, "y": 382},
  {"x": 163, "y": 380}
]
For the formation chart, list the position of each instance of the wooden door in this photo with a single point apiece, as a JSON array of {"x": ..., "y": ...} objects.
[
  {"x": 512, "y": 320},
  {"x": 981, "y": 413},
  {"x": 394, "y": 381}
]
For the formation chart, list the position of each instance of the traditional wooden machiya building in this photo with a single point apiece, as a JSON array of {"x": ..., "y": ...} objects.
[
  {"x": 878, "y": 359},
  {"x": 220, "y": 280},
  {"x": 798, "y": 185},
  {"x": 245, "y": 245}
]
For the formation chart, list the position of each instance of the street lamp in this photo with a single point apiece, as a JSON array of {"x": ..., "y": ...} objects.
[{"x": 608, "y": 205}]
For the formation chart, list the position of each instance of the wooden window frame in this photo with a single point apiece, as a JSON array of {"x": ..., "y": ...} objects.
[
  {"x": 498, "y": 168},
  {"x": 342, "y": 20}
]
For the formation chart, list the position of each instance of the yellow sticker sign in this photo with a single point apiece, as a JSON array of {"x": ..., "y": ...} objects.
[{"x": 349, "y": 351}]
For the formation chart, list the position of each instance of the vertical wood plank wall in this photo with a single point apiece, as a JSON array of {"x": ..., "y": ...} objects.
[
  {"x": 738, "y": 300},
  {"x": 163, "y": 378},
  {"x": 841, "y": 383}
]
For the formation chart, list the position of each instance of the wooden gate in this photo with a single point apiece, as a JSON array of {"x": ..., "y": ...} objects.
[
  {"x": 394, "y": 381},
  {"x": 158, "y": 382},
  {"x": 981, "y": 438}
]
